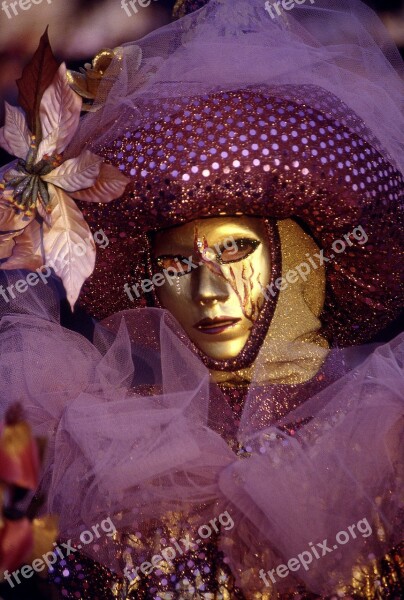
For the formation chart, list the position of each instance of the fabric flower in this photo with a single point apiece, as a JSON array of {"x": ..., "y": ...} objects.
[
  {"x": 45, "y": 224},
  {"x": 95, "y": 82},
  {"x": 87, "y": 81}
]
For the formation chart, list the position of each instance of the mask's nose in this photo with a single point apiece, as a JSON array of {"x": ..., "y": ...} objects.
[{"x": 209, "y": 287}]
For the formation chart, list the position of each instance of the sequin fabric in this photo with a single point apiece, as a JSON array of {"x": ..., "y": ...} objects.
[
  {"x": 201, "y": 572},
  {"x": 196, "y": 575},
  {"x": 282, "y": 153}
]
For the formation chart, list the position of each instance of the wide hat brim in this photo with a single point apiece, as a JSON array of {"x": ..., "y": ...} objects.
[{"x": 285, "y": 152}]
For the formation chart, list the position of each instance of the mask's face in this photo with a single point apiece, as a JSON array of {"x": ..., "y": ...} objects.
[{"x": 216, "y": 269}]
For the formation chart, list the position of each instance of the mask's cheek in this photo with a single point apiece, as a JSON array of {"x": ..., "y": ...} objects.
[
  {"x": 248, "y": 278},
  {"x": 174, "y": 294}
]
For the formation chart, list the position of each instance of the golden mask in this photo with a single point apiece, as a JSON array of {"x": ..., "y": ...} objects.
[
  {"x": 220, "y": 279},
  {"x": 222, "y": 264}
]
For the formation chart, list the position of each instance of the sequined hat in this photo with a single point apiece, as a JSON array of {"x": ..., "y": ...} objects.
[{"x": 281, "y": 152}]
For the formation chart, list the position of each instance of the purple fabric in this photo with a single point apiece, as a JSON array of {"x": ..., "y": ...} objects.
[{"x": 127, "y": 424}]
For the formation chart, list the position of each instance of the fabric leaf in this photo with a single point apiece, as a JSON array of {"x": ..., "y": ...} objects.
[
  {"x": 110, "y": 184},
  {"x": 26, "y": 253},
  {"x": 19, "y": 458},
  {"x": 3, "y": 142},
  {"x": 36, "y": 77},
  {"x": 43, "y": 213},
  {"x": 16, "y": 132},
  {"x": 76, "y": 173},
  {"x": 16, "y": 543},
  {"x": 6, "y": 245},
  {"x": 69, "y": 245},
  {"x": 11, "y": 173},
  {"x": 60, "y": 110},
  {"x": 12, "y": 220},
  {"x": 47, "y": 145},
  {"x": 12, "y": 225}
]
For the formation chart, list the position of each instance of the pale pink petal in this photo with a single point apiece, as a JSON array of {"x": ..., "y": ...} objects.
[
  {"x": 11, "y": 173},
  {"x": 3, "y": 142},
  {"x": 43, "y": 213},
  {"x": 69, "y": 245},
  {"x": 10, "y": 219},
  {"x": 12, "y": 225},
  {"x": 60, "y": 110},
  {"x": 15, "y": 132},
  {"x": 48, "y": 145},
  {"x": 76, "y": 173},
  {"x": 6, "y": 246},
  {"x": 53, "y": 200},
  {"x": 110, "y": 184},
  {"x": 26, "y": 253}
]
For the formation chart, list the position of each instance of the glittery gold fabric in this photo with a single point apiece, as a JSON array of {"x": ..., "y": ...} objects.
[
  {"x": 277, "y": 153},
  {"x": 294, "y": 347},
  {"x": 203, "y": 574}
]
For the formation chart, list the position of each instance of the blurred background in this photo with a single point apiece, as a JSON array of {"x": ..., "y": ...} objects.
[{"x": 78, "y": 29}]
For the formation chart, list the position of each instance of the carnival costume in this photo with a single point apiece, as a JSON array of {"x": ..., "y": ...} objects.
[{"x": 227, "y": 113}]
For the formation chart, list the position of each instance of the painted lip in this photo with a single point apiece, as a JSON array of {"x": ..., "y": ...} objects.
[{"x": 216, "y": 325}]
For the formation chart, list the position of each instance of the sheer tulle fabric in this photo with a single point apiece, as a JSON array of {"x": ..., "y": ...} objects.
[
  {"x": 127, "y": 423},
  {"x": 338, "y": 45}
]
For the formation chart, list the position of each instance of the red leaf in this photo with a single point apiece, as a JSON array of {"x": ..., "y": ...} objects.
[{"x": 37, "y": 75}]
